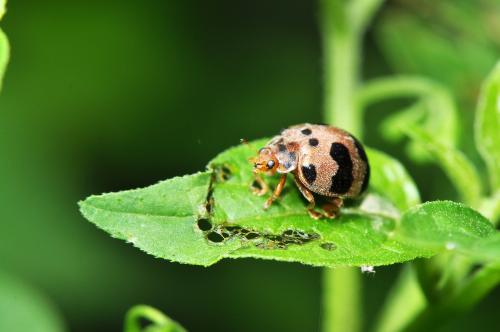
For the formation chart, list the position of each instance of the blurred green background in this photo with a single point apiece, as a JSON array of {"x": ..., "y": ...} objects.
[{"x": 107, "y": 95}]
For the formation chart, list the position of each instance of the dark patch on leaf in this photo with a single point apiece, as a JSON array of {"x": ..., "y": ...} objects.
[
  {"x": 222, "y": 173},
  {"x": 251, "y": 236},
  {"x": 262, "y": 240},
  {"x": 204, "y": 224},
  {"x": 215, "y": 237},
  {"x": 328, "y": 246},
  {"x": 256, "y": 185}
]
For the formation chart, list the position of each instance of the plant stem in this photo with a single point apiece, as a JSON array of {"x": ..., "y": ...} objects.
[
  {"x": 341, "y": 299},
  {"x": 134, "y": 314},
  {"x": 464, "y": 299},
  {"x": 404, "y": 302},
  {"x": 341, "y": 52},
  {"x": 343, "y": 25}
]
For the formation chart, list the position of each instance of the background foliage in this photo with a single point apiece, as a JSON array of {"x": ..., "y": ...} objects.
[{"x": 117, "y": 95}]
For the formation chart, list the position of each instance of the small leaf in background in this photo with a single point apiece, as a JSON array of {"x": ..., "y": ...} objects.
[
  {"x": 487, "y": 126},
  {"x": 390, "y": 179},
  {"x": 433, "y": 109},
  {"x": 159, "y": 321},
  {"x": 3, "y": 4},
  {"x": 447, "y": 43},
  {"x": 4, "y": 45},
  {"x": 450, "y": 226},
  {"x": 4, "y": 55},
  {"x": 202, "y": 218},
  {"x": 457, "y": 167},
  {"x": 23, "y": 308}
]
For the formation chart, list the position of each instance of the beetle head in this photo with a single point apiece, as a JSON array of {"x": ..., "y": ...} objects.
[{"x": 265, "y": 162}]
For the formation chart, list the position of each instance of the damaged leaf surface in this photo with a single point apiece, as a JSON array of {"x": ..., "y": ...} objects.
[{"x": 202, "y": 218}]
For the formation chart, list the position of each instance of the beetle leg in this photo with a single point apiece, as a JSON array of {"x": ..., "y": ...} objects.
[
  {"x": 310, "y": 198},
  {"x": 262, "y": 184},
  {"x": 332, "y": 208},
  {"x": 277, "y": 192}
]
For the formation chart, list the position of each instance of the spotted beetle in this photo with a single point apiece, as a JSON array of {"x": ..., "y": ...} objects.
[{"x": 324, "y": 160}]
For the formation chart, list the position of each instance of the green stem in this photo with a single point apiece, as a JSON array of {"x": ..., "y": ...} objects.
[
  {"x": 396, "y": 86},
  {"x": 473, "y": 291},
  {"x": 342, "y": 27},
  {"x": 134, "y": 314},
  {"x": 341, "y": 299},
  {"x": 403, "y": 303}
]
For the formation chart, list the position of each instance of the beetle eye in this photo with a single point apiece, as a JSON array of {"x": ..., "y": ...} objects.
[{"x": 270, "y": 164}]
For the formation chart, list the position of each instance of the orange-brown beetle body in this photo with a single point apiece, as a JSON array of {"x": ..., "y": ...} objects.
[{"x": 324, "y": 160}]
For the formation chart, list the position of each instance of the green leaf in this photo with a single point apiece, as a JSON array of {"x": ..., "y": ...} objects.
[
  {"x": 160, "y": 322},
  {"x": 448, "y": 44},
  {"x": 448, "y": 226},
  {"x": 202, "y": 218},
  {"x": 457, "y": 167},
  {"x": 487, "y": 126},
  {"x": 390, "y": 179},
  {"x": 23, "y": 308},
  {"x": 160, "y": 219},
  {"x": 356, "y": 238},
  {"x": 433, "y": 109}
]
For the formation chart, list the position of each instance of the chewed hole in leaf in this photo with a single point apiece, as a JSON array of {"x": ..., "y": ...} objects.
[
  {"x": 204, "y": 224},
  {"x": 251, "y": 236},
  {"x": 261, "y": 240},
  {"x": 215, "y": 237},
  {"x": 222, "y": 172},
  {"x": 328, "y": 246},
  {"x": 256, "y": 185},
  {"x": 210, "y": 203},
  {"x": 205, "y": 217}
]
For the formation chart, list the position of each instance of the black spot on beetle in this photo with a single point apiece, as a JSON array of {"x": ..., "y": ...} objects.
[
  {"x": 366, "y": 179},
  {"x": 281, "y": 147},
  {"x": 361, "y": 150},
  {"x": 342, "y": 180},
  {"x": 293, "y": 156},
  {"x": 313, "y": 142},
  {"x": 309, "y": 173},
  {"x": 362, "y": 155},
  {"x": 306, "y": 131}
]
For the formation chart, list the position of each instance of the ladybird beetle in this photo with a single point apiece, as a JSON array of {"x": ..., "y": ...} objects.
[{"x": 324, "y": 160}]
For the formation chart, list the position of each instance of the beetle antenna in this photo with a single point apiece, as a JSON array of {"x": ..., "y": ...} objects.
[{"x": 244, "y": 141}]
